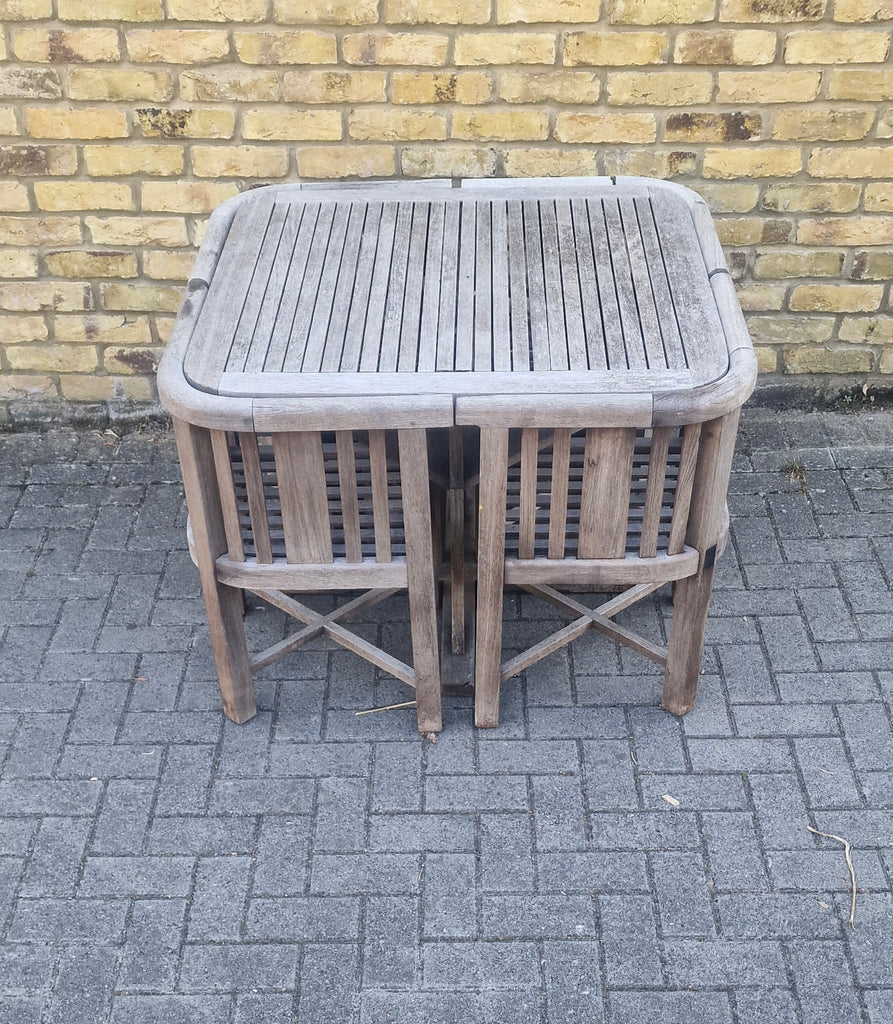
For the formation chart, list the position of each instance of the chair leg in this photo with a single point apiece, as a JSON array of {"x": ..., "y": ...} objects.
[
  {"x": 691, "y": 602},
  {"x": 222, "y": 604},
  {"x": 491, "y": 576},
  {"x": 420, "y": 578}
]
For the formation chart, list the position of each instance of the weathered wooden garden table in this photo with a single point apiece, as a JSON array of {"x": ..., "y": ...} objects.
[{"x": 600, "y": 306}]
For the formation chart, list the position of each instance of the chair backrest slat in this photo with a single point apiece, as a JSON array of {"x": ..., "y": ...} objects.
[
  {"x": 347, "y": 481},
  {"x": 226, "y": 484},
  {"x": 381, "y": 512},
  {"x": 604, "y": 500},
  {"x": 301, "y": 472},
  {"x": 257, "y": 505},
  {"x": 527, "y": 502},
  {"x": 561, "y": 454},
  {"x": 688, "y": 463},
  {"x": 654, "y": 491}
]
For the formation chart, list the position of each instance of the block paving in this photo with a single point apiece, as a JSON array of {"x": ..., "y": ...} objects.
[{"x": 592, "y": 859}]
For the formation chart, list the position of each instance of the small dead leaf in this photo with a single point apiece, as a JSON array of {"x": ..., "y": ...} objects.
[
  {"x": 671, "y": 800},
  {"x": 431, "y": 736},
  {"x": 824, "y": 905}
]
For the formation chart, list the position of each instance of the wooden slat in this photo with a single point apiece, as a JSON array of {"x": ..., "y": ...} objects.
[
  {"x": 257, "y": 504},
  {"x": 381, "y": 515},
  {"x": 570, "y": 288},
  {"x": 601, "y": 571},
  {"x": 591, "y": 310},
  {"x": 648, "y": 313},
  {"x": 615, "y": 346},
  {"x": 449, "y": 284},
  {"x": 227, "y": 488},
  {"x": 327, "y": 294},
  {"x": 660, "y": 286},
  {"x": 626, "y": 297},
  {"x": 561, "y": 638},
  {"x": 558, "y": 356},
  {"x": 378, "y": 292},
  {"x": 350, "y": 510},
  {"x": 300, "y": 469},
  {"x": 654, "y": 495},
  {"x": 520, "y": 323},
  {"x": 536, "y": 289},
  {"x": 410, "y": 328},
  {"x": 393, "y": 313},
  {"x": 336, "y": 338},
  {"x": 528, "y": 495},
  {"x": 483, "y": 301},
  {"x": 359, "y": 304},
  {"x": 501, "y": 344},
  {"x": 561, "y": 445},
  {"x": 465, "y": 304},
  {"x": 434, "y": 263},
  {"x": 688, "y": 462},
  {"x": 604, "y": 502}
]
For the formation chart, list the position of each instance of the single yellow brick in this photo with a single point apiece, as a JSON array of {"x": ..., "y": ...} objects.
[
  {"x": 846, "y": 231},
  {"x": 659, "y": 88},
  {"x": 203, "y": 123},
  {"x": 27, "y": 10},
  {"x": 885, "y": 125},
  {"x": 647, "y": 164},
  {"x": 819, "y": 46},
  {"x": 83, "y": 264},
  {"x": 853, "y": 84},
  {"x": 160, "y": 265},
  {"x": 16, "y": 263},
  {"x": 230, "y": 84},
  {"x": 330, "y": 12},
  {"x": 771, "y": 10},
  {"x": 94, "y": 388},
  {"x": 852, "y": 162},
  {"x": 24, "y": 330},
  {"x": 176, "y": 45},
  {"x": 448, "y": 162},
  {"x": 767, "y": 86},
  {"x": 437, "y": 12},
  {"x": 837, "y": 298},
  {"x": 560, "y": 11},
  {"x": 761, "y": 298},
  {"x": 66, "y": 46},
  {"x": 8, "y": 123},
  {"x": 107, "y": 329},
  {"x": 466, "y": 87},
  {"x": 86, "y": 123},
  {"x": 840, "y": 198},
  {"x": 131, "y": 360},
  {"x": 83, "y": 195},
  {"x": 40, "y": 231},
  {"x": 705, "y": 127},
  {"x": 872, "y": 266},
  {"x": 170, "y": 231},
  {"x": 728, "y": 198},
  {"x": 114, "y": 84},
  {"x": 549, "y": 86},
  {"x": 500, "y": 124},
  {"x": 661, "y": 12},
  {"x": 343, "y": 162},
  {"x": 878, "y": 198},
  {"x": 822, "y": 360},
  {"x": 31, "y": 296},
  {"x": 725, "y": 46},
  {"x": 285, "y": 46},
  {"x": 753, "y": 230},
  {"x": 13, "y": 197},
  {"x": 547, "y": 163},
  {"x": 768, "y": 162},
  {"x": 53, "y": 358},
  {"x": 505, "y": 48},
  {"x": 867, "y": 330},
  {"x": 185, "y": 196},
  {"x": 395, "y": 48},
  {"x": 767, "y": 360},
  {"x": 816, "y": 125},
  {"x": 29, "y": 83},
  {"x": 220, "y": 10},
  {"x": 598, "y": 128},
  {"x": 601, "y": 49},
  {"x": 886, "y": 362},
  {"x": 115, "y": 161},
  {"x": 239, "y": 162},
  {"x": 27, "y": 385},
  {"x": 141, "y": 298},
  {"x": 808, "y": 330},
  {"x": 283, "y": 123},
  {"x": 392, "y": 125},
  {"x": 28, "y": 161},
  {"x": 797, "y": 263},
  {"x": 111, "y": 10},
  {"x": 863, "y": 10},
  {"x": 335, "y": 86},
  {"x": 163, "y": 326}
]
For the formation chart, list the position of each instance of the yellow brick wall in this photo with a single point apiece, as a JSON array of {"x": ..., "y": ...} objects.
[{"x": 124, "y": 122}]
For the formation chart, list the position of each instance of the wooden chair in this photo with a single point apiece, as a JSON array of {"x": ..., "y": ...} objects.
[
  {"x": 312, "y": 510},
  {"x": 635, "y": 505}
]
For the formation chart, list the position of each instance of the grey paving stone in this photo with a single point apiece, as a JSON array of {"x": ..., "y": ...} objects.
[
  {"x": 56, "y": 857},
  {"x": 823, "y": 981},
  {"x": 479, "y": 965},
  {"x": 391, "y": 957},
  {"x": 26, "y": 969},
  {"x": 475, "y": 793},
  {"x": 201, "y": 835},
  {"x": 42, "y": 920},
  {"x": 628, "y": 933},
  {"x": 330, "y": 984},
  {"x": 172, "y": 1009},
  {"x": 382, "y": 874},
  {"x": 397, "y": 776},
  {"x": 827, "y": 774},
  {"x": 775, "y": 915},
  {"x": 449, "y": 906},
  {"x": 573, "y": 984},
  {"x": 592, "y": 871},
  {"x": 406, "y": 833},
  {"x": 123, "y": 817},
  {"x": 559, "y": 820},
  {"x": 696, "y": 963},
  {"x": 213, "y": 968},
  {"x": 301, "y": 918},
  {"x": 609, "y": 781},
  {"x": 151, "y": 953},
  {"x": 531, "y": 917},
  {"x": 280, "y": 858},
  {"x": 447, "y": 1007},
  {"x": 871, "y": 943},
  {"x": 265, "y": 1009},
  {"x": 734, "y": 858},
  {"x": 506, "y": 853},
  {"x": 136, "y": 876},
  {"x": 700, "y": 791},
  {"x": 880, "y": 1004},
  {"x": 683, "y": 895},
  {"x": 766, "y": 1006},
  {"x": 218, "y": 899}
]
